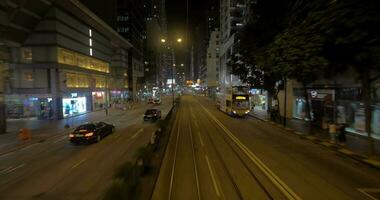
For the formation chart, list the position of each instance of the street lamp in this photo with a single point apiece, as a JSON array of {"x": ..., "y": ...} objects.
[
  {"x": 179, "y": 40},
  {"x": 182, "y": 65}
]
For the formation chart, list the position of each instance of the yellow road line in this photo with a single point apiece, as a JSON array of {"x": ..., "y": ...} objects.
[
  {"x": 80, "y": 162},
  {"x": 212, "y": 176},
  {"x": 285, "y": 189},
  {"x": 135, "y": 135}
]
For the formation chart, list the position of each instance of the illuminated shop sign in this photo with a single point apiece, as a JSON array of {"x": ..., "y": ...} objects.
[{"x": 240, "y": 98}]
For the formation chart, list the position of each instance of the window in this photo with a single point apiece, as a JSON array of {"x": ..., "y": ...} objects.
[
  {"x": 28, "y": 75},
  {"x": 75, "y": 59},
  {"x": 27, "y": 54},
  {"x": 77, "y": 81},
  {"x": 100, "y": 82}
]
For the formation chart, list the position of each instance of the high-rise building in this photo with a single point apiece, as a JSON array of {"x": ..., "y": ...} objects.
[
  {"x": 65, "y": 61},
  {"x": 212, "y": 65},
  {"x": 232, "y": 18}
]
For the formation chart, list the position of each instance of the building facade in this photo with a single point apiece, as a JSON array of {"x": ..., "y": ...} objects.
[
  {"x": 67, "y": 62},
  {"x": 213, "y": 51}
]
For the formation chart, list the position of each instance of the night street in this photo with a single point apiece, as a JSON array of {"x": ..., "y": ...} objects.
[
  {"x": 189, "y": 100},
  {"x": 213, "y": 156},
  {"x": 57, "y": 169}
]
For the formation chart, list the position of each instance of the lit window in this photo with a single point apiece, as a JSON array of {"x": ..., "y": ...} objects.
[
  {"x": 90, "y": 42},
  {"x": 27, "y": 54},
  {"x": 90, "y": 32},
  {"x": 90, "y": 51},
  {"x": 28, "y": 76}
]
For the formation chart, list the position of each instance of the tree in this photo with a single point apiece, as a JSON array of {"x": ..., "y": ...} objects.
[
  {"x": 267, "y": 19},
  {"x": 356, "y": 45}
]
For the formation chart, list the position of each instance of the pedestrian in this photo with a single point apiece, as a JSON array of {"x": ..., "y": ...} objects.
[
  {"x": 332, "y": 131},
  {"x": 342, "y": 134}
]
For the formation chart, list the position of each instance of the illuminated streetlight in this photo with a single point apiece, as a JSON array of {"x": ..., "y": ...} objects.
[
  {"x": 179, "y": 40},
  {"x": 182, "y": 65},
  {"x": 163, "y": 40},
  {"x": 173, "y": 65}
]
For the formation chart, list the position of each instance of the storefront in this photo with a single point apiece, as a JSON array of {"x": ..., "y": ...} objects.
[
  {"x": 98, "y": 100},
  {"x": 321, "y": 105},
  {"x": 29, "y": 106},
  {"x": 74, "y": 105},
  {"x": 118, "y": 96},
  {"x": 259, "y": 99}
]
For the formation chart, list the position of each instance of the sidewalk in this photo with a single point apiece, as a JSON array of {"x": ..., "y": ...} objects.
[
  {"x": 355, "y": 146},
  {"x": 44, "y": 129}
]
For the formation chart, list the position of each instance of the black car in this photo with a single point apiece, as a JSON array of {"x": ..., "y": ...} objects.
[
  {"x": 152, "y": 114},
  {"x": 91, "y": 132}
]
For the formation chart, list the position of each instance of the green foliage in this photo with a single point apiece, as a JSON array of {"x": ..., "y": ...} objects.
[
  {"x": 125, "y": 171},
  {"x": 120, "y": 190}
]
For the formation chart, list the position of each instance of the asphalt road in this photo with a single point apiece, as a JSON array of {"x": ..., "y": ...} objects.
[
  {"x": 211, "y": 155},
  {"x": 56, "y": 169}
]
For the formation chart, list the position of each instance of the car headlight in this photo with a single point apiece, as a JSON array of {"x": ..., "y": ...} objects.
[
  {"x": 89, "y": 134},
  {"x": 234, "y": 112},
  {"x": 246, "y": 112}
]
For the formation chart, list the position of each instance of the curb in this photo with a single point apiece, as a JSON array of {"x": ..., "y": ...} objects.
[{"x": 337, "y": 148}]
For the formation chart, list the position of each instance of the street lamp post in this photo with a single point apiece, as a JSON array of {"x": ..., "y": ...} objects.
[{"x": 179, "y": 40}]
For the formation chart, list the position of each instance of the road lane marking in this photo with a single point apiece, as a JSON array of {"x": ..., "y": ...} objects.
[
  {"x": 285, "y": 189},
  {"x": 11, "y": 169},
  {"x": 195, "y": 163},
  {"x": 30, "y": 146},
  {"x": 371, "y": 190},
  {"x": 174, "y": 161},
  {"x": 138, "y": 132},
  {"x": 60, "y": 139},
  {"x": 200, "y": 138},
  {"x": 79, "y": 163},
  {"x": 6, "y": 169},
  {"x": 212, "y": 177}
]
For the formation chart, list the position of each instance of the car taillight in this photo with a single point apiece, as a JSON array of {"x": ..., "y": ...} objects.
[{"x": 89, "y": 134}]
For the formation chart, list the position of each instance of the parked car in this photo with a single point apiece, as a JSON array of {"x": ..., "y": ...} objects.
[
  {"x": 152, "y": 114},
  {"x": 91, "y": 132},
  {"x": 157, "y": 101}
]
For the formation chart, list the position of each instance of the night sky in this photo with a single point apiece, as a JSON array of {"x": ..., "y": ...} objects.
[{"x": 176, "y": 14}]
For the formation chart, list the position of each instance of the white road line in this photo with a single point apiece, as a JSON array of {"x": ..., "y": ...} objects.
[
  {"x": 11, "y": 169},
  {"x": 174, "y": 162},
  {"x": 6, "y": 169},
  {"x": 195, "y": 163},
  {"x": 80, "y": 162},
  {"x": 135, "y": 135},
  {"x": 200, "y": 138},
  {"x": 285, "y": 189},
  {"x": 29, "y": 146},
  {"x": 212, "y": 176},
  {"x": 56, "y": 141},
  {"x": 365, "y": 190}
]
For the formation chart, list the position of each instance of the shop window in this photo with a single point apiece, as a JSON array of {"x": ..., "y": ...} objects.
[{"x": 27, "y": 54}]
